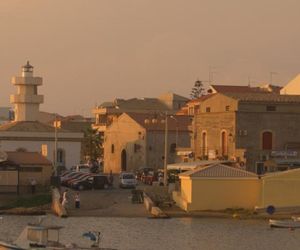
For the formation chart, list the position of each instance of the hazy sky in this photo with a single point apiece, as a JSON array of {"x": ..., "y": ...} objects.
[{"x": 90, "y": 51}]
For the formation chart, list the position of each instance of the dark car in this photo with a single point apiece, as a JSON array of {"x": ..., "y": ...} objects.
[{"x": 94, "y": 181}]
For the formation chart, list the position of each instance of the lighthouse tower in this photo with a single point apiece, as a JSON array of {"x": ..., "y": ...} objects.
[{"x": 27, "y": 101}]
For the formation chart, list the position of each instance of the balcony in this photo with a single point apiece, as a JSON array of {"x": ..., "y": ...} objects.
[
  {"x": 17, "y": 80},
  {"x": 26, "y": 99}
]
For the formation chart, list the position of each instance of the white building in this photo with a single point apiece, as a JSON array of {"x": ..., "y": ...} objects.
[{"x": 25, "y": 133}]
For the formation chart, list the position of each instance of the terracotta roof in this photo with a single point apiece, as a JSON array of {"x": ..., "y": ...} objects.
[
  {"x": 263, "y": 97},
  {"x": 26, "y": 126},
  {"x": 233, "y": 89},
  {"x": 27, "y": 158},
  {"x": 219, "y": 171},
  {"x": 156, "y": 122}
]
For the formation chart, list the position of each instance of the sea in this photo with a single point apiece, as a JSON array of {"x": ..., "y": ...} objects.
[{"x": 152, "y": 234}]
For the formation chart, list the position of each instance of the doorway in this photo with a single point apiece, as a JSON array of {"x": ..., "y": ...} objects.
[{"x": 123, "y": 160}]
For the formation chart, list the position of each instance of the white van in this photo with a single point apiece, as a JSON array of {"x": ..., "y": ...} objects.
[
  {"x": 85, "y": 168},
  {"x": 127, "y": 180}
]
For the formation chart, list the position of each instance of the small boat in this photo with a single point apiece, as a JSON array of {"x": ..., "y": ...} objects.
[
  {"x": 284, "y": 223},
  {"x": 38, "y": 236}
]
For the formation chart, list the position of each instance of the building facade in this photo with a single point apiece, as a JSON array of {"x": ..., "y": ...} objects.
[
  {"x": 246, "y": 127},
  {"x": 26, "y": 133},
  {"x": 136, "y": 140}
]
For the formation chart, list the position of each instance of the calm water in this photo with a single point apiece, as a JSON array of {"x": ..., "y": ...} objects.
[{"x": 185, "y": 233}]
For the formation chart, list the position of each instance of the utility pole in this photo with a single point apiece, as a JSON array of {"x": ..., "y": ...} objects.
[
  {"x": 55, "y": 145},
  {"x": 166, "y": 151}
]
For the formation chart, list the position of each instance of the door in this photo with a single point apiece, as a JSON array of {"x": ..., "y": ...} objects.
[{"x": 123, "y": 160}]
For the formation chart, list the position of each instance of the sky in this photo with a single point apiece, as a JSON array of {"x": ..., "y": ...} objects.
[{"x": 91, "y": 51}]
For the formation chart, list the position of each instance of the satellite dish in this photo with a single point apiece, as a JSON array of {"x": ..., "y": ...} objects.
[{"x": 3, "y": 156}]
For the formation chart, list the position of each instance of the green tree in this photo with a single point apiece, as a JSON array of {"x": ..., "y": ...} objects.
[
  {"x": 197, "y": 90},
  {"x": 92, "y": 144}
]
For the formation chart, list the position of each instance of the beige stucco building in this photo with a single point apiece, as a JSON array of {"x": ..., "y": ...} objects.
[
  {"x": 247, "y": 127},
  {"x": 26, "y": 133},
  {"x": 137, "y": 140},
  {"x": 217, "y": 187},
  {"x": 292, "y": 87}
]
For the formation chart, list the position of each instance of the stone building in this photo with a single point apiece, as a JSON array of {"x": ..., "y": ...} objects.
[
  {"x": 137, "y": 140},
  {"x": 26, "y": 133},
  {"x": 247, "y": 127},
  {"x": 108, "y": 111}
]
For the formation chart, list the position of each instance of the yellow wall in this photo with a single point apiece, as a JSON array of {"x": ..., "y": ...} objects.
[
  {"x": 281, "y": 190},
  {"x": 218, "y": 194}
]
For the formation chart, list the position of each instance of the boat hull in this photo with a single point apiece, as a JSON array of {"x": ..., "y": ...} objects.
[
  {"x": 7, "y": 246},
  {"x": 284, "y": 223}
]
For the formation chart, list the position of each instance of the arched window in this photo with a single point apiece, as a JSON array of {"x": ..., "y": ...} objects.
[
  {"x": 112, "y": 148},
  {"x": 267, "y": 140},
  {"x": 204, "y": 143},
  {"x": 224, "y": 143}
]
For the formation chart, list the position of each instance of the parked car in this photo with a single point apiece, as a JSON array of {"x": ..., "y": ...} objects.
[
  {"x": 92, "y": 181},
  {"x": 142, "y": 172},
  {"x": 150, "y": 177},
  {"x": 127, "y": 180},
  {"x": 82, "y": 168}
]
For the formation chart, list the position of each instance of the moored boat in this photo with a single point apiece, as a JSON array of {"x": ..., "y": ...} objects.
[
  {"x": 284, "y": 223},
  {"x": 37, "y": 236}
]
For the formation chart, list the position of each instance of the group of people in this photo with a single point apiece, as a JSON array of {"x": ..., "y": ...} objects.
[{"x": 65, "y": 199}]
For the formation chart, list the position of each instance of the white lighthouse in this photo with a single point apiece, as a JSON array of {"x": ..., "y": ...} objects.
[{"x": 27, "y": 101}]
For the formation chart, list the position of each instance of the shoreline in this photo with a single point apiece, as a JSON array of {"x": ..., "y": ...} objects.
[{"x": 201, "y": 214}]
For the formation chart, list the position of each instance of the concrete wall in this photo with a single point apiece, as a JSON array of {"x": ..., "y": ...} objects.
[
  {"x": 72, "y": 149},
  {"x": 156, "y": 146},
  {"x": 219, "y": 194}
]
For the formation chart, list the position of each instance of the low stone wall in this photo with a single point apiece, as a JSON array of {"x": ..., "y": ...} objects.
[
  {"x": 154, "y": 210},
  {"x": 57, "y": 208}
]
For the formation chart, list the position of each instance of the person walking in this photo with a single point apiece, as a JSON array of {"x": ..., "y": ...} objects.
[
  {"x": 65, "y": 199},
  {"x": 33, "y": 185},
  {"x": 77, "y": 200}
]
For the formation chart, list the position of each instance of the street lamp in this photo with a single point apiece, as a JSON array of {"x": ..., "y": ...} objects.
[{"x": 166, "y": 146}]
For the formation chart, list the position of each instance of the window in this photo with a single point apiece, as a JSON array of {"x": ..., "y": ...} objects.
[
  {"x": 204, "y": 143},
  {"x": 150, "y": 148},
  {"x": 112, "y": 148},
  {"x": 271, "y": 108},
  {"x": 60, "y": 158},
  {"x": 224, "y": 143},
  {"x": 267, "y": 140},
  {"x": 35, "y": 90},
  {"x": 207, "y": 109},
  {"x": 197, "y": 109},
  {"x": 227, "y": 108}
]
